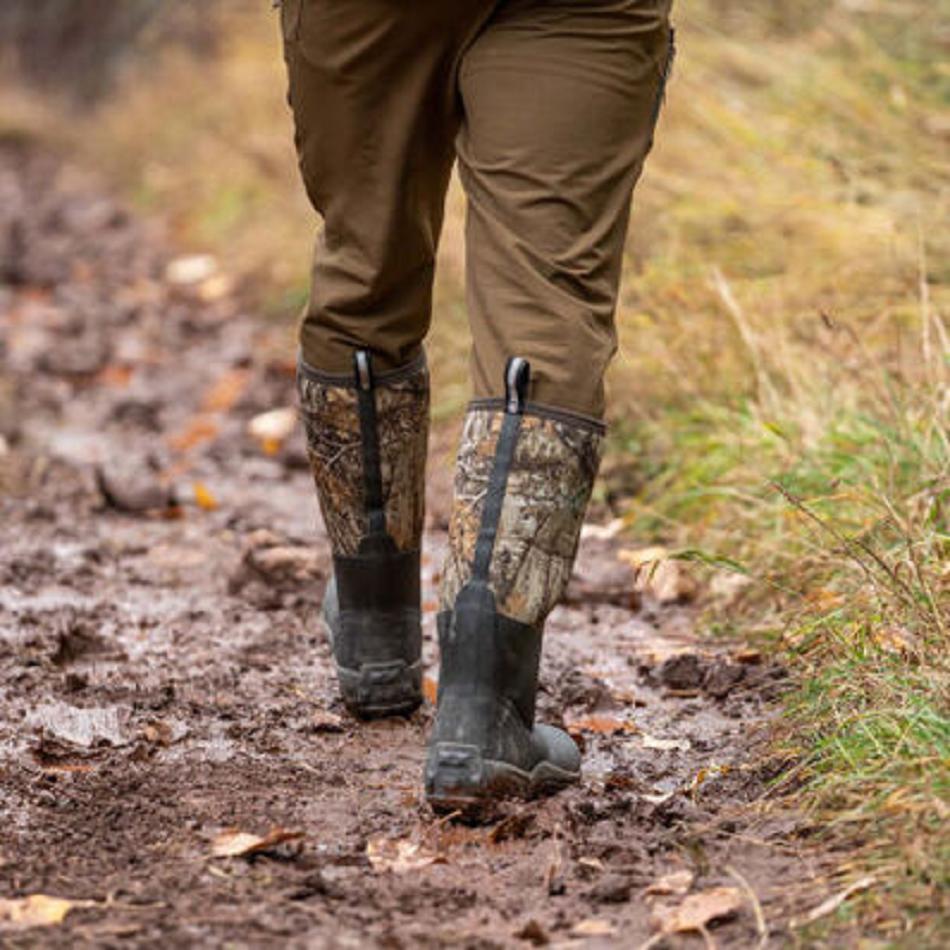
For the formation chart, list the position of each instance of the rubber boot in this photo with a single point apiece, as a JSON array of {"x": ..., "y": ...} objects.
[
  {"x": 367, "y": 440},
  {"x": 524, "y": 478}
]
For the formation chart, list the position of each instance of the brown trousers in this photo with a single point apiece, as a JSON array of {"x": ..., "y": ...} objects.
[{"x": 549, "y": 107}]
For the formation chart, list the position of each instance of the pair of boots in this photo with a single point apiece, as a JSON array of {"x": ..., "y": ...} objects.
[{"x": 524, "y": 477}]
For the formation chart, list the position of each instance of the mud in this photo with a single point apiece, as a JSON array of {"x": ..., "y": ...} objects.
[{"x": 164, "y": 678}]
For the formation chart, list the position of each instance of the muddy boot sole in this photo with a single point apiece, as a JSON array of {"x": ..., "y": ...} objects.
[
  {"x": 460, "y": 779},
  {"x": 378, "y": 690}
]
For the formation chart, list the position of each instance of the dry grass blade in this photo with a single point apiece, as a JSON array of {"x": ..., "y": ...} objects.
[
  {"x": 760, "y": 924},
  {"x": 834, "y": 902}
]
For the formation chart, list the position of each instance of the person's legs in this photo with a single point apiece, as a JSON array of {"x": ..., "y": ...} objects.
[
  {"x": 560, "y": 100},
  {"x": 374, "y": 97}
]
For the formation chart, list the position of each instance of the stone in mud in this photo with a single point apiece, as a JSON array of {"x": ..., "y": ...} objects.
[
  {"x": 613, "y": 889},
  {"x": 132, "y": 487},
  {"x": 682, "y": 671},
  {"x": 722, "y": 678},
  {"x": 83, "y": 356}
]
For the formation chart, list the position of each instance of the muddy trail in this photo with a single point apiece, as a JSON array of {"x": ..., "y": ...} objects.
[{"x": 165, "y": 682}]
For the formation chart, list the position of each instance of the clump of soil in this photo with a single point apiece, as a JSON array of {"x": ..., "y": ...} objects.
[{"x": 165, "y": 678}]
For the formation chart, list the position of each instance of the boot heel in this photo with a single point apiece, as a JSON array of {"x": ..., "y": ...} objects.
[
  {"x": 382, "y": 689},
  {"x": 459, "y": 778}
]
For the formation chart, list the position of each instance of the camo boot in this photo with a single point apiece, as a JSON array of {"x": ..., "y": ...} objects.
[
  {"x": 523, "y": 481},
  {"x": 366, "y": 440}
]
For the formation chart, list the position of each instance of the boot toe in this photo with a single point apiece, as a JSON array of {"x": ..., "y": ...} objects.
[{"x": 557, "y": 749}]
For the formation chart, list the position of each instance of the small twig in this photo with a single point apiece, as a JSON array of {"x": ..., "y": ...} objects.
[
  {"x": 707, "y": 937},
  {"x": 760, "y": 924}
]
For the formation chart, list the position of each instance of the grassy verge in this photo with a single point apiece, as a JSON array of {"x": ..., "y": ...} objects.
[{"x": 782, "y": 392}]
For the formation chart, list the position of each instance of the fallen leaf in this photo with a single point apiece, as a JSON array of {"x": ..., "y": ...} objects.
[
  {"x": 240, "y": 844},
  {"x": 190, "y": 269},
  {"x": 430, "y": 688},
  {"x": 36, "y": 910},
  {"x": 665, "y": 745},
  {"x": 200, "y": 429},
  {"x": 602, "y": 532},
  {"x": 114, "y": 376},
  {"x": 600, "y": 723},
  {"x": 676, "y": 883},
  {"x": 697, "y": 910},
  {"x": 655, "y": 574},
  {"x": 658, "y": 799},
  {"x": 216, "y": 287},
  {"x": 226, "y": 391},
  {"x": 204, "y": 498},
  {"x": 325, "y": 721},
  {"x": 895, "y": 640},
  {"x": 85, "y": 727},
  {"x": 593, "y": 927},
  {"x": 271, "y": 429},
  {"x": 398, "y": 855}
]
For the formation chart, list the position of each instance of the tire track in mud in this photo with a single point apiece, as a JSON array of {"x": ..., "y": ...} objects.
[{"x": 164, "y": 677}]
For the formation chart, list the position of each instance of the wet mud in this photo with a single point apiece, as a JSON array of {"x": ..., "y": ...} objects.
[{"x": 164, "y": 680}]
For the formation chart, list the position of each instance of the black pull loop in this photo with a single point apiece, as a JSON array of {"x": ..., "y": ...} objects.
[
  {"x": 364, "y": 369},
  {"x": 369, "y": 435},
  {"x": 517, "y": 377}
]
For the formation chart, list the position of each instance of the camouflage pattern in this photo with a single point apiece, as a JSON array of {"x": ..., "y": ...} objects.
[
  {"x": 331, "y": 421},
  {"x": 549, "y": 486}
]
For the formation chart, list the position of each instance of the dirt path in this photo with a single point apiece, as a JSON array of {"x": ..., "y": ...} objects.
[{"x": 164, "y": 678}]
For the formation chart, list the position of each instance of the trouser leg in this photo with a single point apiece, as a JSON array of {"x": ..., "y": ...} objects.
[
  {"x": 373, "y": 94},
  {"x": 375, "y": 105},
  {"x": 560, "y": 101}
]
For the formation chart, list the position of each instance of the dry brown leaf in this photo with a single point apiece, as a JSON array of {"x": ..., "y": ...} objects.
[
  {"x": 114, "y": 376},
  {"x": 240, "y": 844},
  {"x": 398, "y": 855},
  {"x": 676, "y": 883},
  {"x": 201, "y": 429},
  {"x": 226, "y": 390},
  {"x": 698, "y": 910},
  {"x": 36, "y": 910},
  {"x": 593, "y": 927},
  {"x": 204, "y": 497},
  {"x": 325, "y": 721},
  {"x": 665, "y": 580},
  {"x": 601, "y": 723},
  {"x": 895, "y": 640}
]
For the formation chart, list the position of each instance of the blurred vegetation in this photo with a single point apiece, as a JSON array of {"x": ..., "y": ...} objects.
[{"x": 781, "y": 400}]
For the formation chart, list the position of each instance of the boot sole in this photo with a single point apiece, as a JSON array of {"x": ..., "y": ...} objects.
[
  {"x": 379, "y": 690},
  {"x": 462, "y": 780}
]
